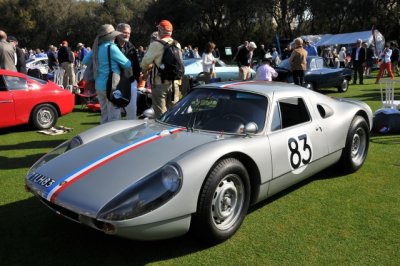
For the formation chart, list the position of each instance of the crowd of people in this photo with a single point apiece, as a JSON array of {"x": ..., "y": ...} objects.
[{"x": 143, "y": 64}]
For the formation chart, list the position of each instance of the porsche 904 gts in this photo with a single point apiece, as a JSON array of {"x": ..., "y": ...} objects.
[{"x": 221, "y": 148}]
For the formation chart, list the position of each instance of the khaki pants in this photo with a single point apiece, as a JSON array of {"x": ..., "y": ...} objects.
[
  {"x": 69, "y": 74},
  {"x": 163, "y": 97},
  {"x": 244, "y": 73}
]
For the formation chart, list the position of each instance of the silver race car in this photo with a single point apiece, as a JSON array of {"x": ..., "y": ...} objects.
[{"x": 222, "y": 148}]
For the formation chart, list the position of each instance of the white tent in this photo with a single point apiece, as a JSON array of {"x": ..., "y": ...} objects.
[{"x": 351, "y": 39}]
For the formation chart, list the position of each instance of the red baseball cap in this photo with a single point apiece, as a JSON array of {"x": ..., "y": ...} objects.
[{"x": 165, "y": 24}]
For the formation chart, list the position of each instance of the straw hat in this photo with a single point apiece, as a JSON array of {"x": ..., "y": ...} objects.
[{"x": 107, "y": 32}]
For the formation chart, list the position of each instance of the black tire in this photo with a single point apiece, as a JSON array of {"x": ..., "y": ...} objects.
[
  {"x": 357, "y": 144},
  {"x": 44, "y": 116},
  {"x": 223, "y": 202},
  {"x": 344, "y": 86}
]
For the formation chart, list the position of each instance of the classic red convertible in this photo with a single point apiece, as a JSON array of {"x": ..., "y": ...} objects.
[{"x": 25, "y": 99}]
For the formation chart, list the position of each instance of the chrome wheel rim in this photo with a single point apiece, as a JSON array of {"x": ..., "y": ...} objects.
[
  {"x": 358, "y": 145},
  {"x": 45, "y": 117},
  {"x": 227, "y": 202},
  {"x": 344, "y": 85}
]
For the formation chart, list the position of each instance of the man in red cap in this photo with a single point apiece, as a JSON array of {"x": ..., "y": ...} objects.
[{"x": 164, "y": 92}]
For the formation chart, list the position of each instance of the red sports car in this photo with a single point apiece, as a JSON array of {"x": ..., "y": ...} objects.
[{"x": 24, "y": 99}]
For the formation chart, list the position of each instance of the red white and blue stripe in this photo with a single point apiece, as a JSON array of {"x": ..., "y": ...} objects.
[{"x": 66, "y": 181}]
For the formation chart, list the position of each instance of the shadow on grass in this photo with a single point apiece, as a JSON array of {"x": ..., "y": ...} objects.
[
  {"x": 14, "y": 129},
  {"x": 19, "y": 162},
  {"x": 388, "y": 139},
  {"x": 33, "y": 235},
  {"x": 38, "y": 144}
]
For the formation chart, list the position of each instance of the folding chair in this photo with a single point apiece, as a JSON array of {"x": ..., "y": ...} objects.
[
  {"x": 387, "y": 87},
  {"x": 87, "y": 95},
  {"x": 79, "y": 74},
  {"x": 58, "y": 75}
]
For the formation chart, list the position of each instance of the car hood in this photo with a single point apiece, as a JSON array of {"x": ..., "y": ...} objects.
[{"x": 87, "y": 177}]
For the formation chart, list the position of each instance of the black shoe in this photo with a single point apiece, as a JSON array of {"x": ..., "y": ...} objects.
[{"x": 361, "y": 83}]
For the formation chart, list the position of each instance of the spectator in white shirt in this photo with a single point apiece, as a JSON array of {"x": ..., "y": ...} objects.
[{"x": 265, "y": 72}]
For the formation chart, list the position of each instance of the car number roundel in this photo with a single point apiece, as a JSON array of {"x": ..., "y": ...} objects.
[{"x": 299, "y": 153}]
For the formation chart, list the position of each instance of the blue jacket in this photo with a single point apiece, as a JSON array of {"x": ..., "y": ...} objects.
[{"x": 118, "y": 59}]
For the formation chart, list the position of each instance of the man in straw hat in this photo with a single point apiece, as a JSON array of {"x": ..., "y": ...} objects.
[
  {"x": 298, "y": 62},
  {"x": 98, "y": 56},
  {"x": 163, "y": 92}
]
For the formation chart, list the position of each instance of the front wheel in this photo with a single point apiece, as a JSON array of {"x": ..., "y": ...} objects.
[
  {"x": 223, "y": 202},
  {"x": 344, "y": 86},
  {"x": 357, "y": 143},
  {"x": 44, "y": 116}
]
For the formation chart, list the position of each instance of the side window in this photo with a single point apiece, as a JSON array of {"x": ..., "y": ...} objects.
[
  {"x": 2, "y": 84},
  {"x": 293, "y": 111},
  {"x": 15, "y": 83},
  {"x": 276, "y": 122}
]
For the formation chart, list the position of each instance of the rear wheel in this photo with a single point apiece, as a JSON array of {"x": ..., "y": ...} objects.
[
  {"x": 357, "y": 143},
  {"x": 344, "y": 86},
  {"x": 44, "y": 116},
  {"x": 223, "y": 202}
]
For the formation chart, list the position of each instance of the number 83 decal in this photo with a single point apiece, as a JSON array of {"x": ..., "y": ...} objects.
[{"x": 300, "y": 151}]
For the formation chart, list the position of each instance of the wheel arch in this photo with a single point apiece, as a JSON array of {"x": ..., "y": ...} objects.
[
  {"x": 251, "y": 168},
  {"x": 49, "y": 103},
  {"x": 363, "y": 114},
  {"x": 31, "y": 113}
]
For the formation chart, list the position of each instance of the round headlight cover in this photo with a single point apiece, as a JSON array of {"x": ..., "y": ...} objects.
[{"x": 171, "y": 177}]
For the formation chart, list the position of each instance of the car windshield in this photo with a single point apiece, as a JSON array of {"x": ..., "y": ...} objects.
[
  {"x": 218, "y": 110},
  {"x": 312, "y": 63}
]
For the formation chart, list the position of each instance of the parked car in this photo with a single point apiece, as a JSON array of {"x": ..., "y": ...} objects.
[
  {"x": 221, "y": 148},
  {"x": 225, "y": 73},
  {"x": 40, "y": 63},
  {"x": 25, "y": 99},
  {"x": 318, "y": 74}
]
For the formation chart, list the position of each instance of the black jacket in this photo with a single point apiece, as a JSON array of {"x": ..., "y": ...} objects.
[
  {"x": 21, "y": 63},
  {"x": 65, "y": 55},
  {"x": 362, "y": 55},
  {"x": 131, "y": 53},
  {"x": 243, "y": 57}
]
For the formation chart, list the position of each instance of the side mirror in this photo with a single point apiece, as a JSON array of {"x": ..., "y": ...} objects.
[
  {"x": 149, "y": 113},
  {"x": 250, "y": 128}
]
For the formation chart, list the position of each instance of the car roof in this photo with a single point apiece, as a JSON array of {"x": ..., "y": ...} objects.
[
  {"x": 11, "y": 73},
  {"x": 260, "y": 87}
]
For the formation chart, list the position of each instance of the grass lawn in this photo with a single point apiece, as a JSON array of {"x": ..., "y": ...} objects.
[{"x": 325, "y": 220}]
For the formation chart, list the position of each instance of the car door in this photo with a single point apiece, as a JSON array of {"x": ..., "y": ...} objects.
[
  {"x": 297, "y": 141},
  {"x": 15, "y": 100},
  {"x": 329, "y": 76},
  {"x": 7, "y": 106}
]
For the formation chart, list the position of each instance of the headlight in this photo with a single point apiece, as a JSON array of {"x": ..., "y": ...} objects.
[
  {"x": 145, "y": 195},
  {"x": 62, "y": 148}
]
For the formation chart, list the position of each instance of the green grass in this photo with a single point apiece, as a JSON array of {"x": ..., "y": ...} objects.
[{"x": 327, "y": 220}]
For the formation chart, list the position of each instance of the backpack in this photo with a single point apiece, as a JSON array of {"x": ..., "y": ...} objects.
[{"x": 171, "y": 67}]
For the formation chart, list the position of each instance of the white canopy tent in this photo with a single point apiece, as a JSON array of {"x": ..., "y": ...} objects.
[{"x": 349, "y": 39}]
